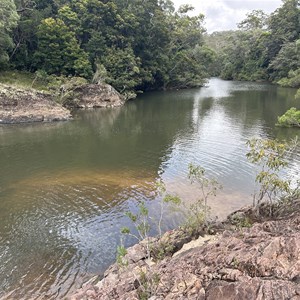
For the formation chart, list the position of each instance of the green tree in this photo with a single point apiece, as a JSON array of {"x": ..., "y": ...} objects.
[
  {"x": 271, "y": 156},
  {"x": 70, "y": 18},
  {"x": 58, "y": 50},
  {"x": 148, "y": 23},
  {"x": 123, "y": 69},
  {"x": 8, "y": 20},
  {"x": 287, "y": 60},
  {"x": 284, "y": 26},
  {"x": 184, "y": 63},
  {"x": 244, "y": 56},
  {"x": 257, "y": 19}
]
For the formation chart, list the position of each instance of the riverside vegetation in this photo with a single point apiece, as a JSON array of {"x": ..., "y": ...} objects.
[
  {"x": 60, "y": 47},
  {"x": 290, "y": 118},
  {"x": 265, "y": 48},
  {"x": 138, "y": 46},
  {"x": 196, "y": 215},
  {"x": 271, "y": 156},
  {"x": 134, "y": 46}
]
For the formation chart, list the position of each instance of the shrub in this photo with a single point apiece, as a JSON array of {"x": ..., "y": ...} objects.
[
  {"x": 290, "y": 118},
  {"x": 142, "y": 221},
  {"x": 293, "y": 79},
  {"x": 271, "y": 156},
  {"x": 199, "y": 211}
]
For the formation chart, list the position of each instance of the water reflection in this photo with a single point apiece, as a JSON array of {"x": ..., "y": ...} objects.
[
  {"x": 223, "y": 118},
  {"x": 64, "y": 187}
]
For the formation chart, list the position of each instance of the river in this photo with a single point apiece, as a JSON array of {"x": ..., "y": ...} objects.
[{"x": 65, "y": 187}]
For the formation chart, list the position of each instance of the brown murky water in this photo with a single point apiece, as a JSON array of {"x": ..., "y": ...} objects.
[{"x": 64, "y": 187}]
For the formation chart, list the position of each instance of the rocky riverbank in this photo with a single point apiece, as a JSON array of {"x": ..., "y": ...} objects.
[
  {"x": 249, "y": 256},
  {"x": 22, "y": 106},
  {"x": 27, "y": 105}
]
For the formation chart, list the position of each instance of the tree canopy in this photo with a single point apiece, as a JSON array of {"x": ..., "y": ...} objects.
[
  {"x": 265, "y": 47},
  {"x": 8, "y": 21},
  {"x": 139, "y": 45}
]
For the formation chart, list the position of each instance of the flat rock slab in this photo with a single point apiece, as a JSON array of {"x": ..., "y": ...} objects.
[
  {"x": 196, "y": 243},
  {"x": 23, "y": 106},
  {"x": 261, "y": 262}
]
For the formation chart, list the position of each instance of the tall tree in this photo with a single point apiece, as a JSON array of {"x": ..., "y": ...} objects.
[
  {"x": 8, "y": 20},
  {"x": 31, "y": 13},
  {"x": 184, "y": 67},
  {"x": 256, "y": 19},
  {"x": 58, "y": 50},
  {"x": 284, "y": 25},
  {"x": 288, "y": 59}
]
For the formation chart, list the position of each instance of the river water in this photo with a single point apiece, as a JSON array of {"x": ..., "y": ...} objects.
[{"x": 65, "y": 187}]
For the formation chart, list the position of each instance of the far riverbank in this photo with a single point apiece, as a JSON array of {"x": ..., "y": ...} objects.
[{"x": 21, "y": 105}]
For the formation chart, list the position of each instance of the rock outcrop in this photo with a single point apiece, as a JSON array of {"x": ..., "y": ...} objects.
[
  {"x": 22, "y": 106},
  {"x": 260, "y": 262},
  {"x": 97, "y": 95}
]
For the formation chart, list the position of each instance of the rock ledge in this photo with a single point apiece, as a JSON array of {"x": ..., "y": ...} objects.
[
  {"x": 22, "y": 106},
  {"x": 27, "y": 105},
  {"x": 260, "y": 262}
]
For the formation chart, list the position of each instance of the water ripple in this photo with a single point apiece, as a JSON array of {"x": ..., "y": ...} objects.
[{"x": 65, "y": 188}]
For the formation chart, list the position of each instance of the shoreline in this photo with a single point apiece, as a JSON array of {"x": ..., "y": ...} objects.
[
  {"x": 27, "y": 106},
  {"x": 233, "y": 257},
  {"x": 18, "y": 105}
]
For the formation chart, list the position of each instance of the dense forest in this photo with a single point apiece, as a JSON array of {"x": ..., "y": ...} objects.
[
  {"x": 265, "y": 47},
  {"x": 140, "y": 45},
  {"x": 133, "y": 45}
]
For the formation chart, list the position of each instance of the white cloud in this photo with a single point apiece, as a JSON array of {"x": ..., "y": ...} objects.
[{"x": 225, "y": 14}]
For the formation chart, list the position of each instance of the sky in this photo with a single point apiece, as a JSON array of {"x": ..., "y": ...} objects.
[{"x": 225, "y": 14}]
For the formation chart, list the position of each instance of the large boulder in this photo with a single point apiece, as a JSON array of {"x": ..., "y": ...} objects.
[{"x": 97, "y": 95}]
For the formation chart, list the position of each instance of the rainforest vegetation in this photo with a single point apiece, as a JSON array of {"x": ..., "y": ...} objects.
[
  {"x": 133, "y": 45},
  {"x": 140, "y": 45},
  {"x": 264, "y": 48}
]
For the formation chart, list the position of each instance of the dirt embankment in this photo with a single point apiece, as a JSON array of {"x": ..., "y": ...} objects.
[{"x": 257, "y": 262}]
